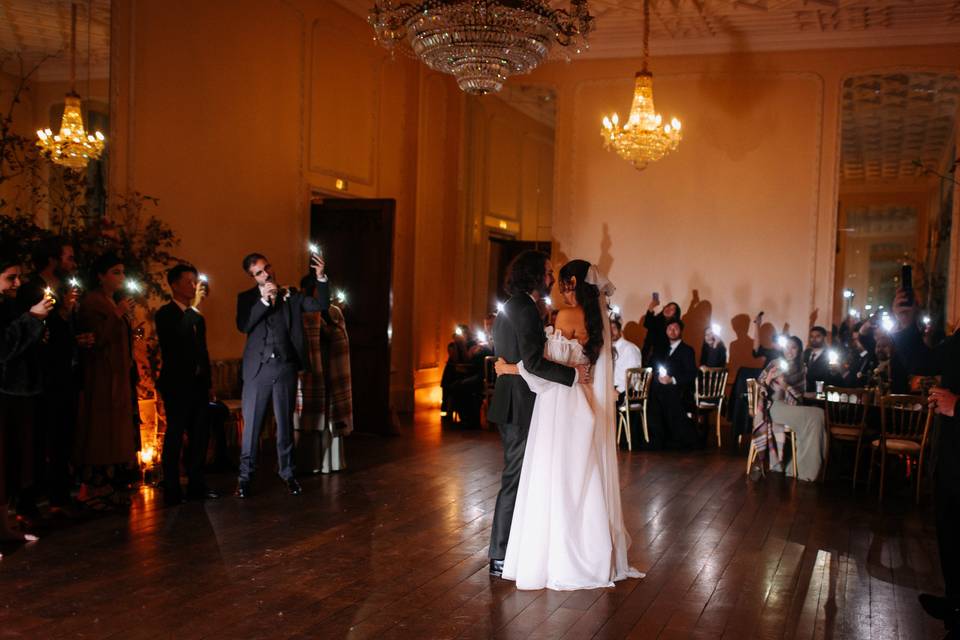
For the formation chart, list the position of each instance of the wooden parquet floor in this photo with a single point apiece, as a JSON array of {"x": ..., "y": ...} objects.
[{"x": 396, "y": 548}]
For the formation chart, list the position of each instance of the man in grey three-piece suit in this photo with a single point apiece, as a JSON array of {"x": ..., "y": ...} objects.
[{"x": 275, "y": 352}]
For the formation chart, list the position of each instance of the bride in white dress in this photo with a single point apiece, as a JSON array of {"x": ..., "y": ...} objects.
[{"x": 567, "y": 531}]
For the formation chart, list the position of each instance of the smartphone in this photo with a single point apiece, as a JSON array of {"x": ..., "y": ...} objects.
[
  {"x": 656, "y": 297},
  {"x": 906, "y": 282}
]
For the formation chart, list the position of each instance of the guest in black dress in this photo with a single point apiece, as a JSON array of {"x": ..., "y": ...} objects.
[{"x": 713, "y": 353}]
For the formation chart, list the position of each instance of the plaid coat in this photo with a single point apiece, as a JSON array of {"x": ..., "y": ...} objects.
[{"x": 324, "y": 395}]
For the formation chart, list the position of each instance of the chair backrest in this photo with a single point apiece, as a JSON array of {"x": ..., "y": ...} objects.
[
  {"x": 922, "y": 384},
  {"x": 753, "y": 396},
  {"x": 847, "y": 407},
  {"x": 904, "y": 417},
  {"x": 711, "y": 384},
  {"x": 638, "y": 383},
  {"x": 226, "y": 377}
]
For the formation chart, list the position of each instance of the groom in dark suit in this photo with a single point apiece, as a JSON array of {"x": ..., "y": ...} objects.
[
  {"x": 518, "y": 335},
  {"x": 276, "y": 350}
]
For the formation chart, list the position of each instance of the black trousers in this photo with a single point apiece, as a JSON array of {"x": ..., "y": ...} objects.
[
  {"x": 53, "y": 443},
  {"x": 17, "y": 415},
  {"x": 947, "y": 509},
  {"x": 669, "y": 425},
  {"x": 514, "y": 438},
  {"x": 276, "y": 382},
  {"x": 186, "y": 415}
]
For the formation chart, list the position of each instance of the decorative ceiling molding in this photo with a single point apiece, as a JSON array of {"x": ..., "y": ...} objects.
[
  {"x": 38, "y": 28},
  {"x": 683, "y": 27},
  {"x": 892, "y": 121}
]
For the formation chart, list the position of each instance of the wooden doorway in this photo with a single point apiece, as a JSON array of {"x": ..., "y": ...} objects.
[
  {"x": 502, "y": 252},
  {"x": 356, "y": 237}
]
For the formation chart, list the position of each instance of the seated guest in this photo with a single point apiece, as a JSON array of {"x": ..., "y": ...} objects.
[
  {"x": 862, "y": 363},
  {"x": 626, "y": 355},
  {"x": 781, "y": 386},
  {"x": 21, "y": 332},
  {"x": 713, "y": 353},
  {"x": 672, "y": 391},
  {"x": 890, "y": 375},
  {"x": 815, "y": 359},
  {"x": 324, "y": 410},
  {"x": 739, "y": 411},
  {"x": 107, "y": 434},
  {"x": 185, "y": 384},
  {"x": 656, "y": 326},
  {"x": 457, "y": 357}
]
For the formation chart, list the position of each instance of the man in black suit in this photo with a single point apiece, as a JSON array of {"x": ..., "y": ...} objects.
[
  {"x": 276, "y": 350},
  {"x": 816, "y": 359},
  {"x": 185, "y": 385},
  {"x": 672, "y": 390},
  {"x": 519, "y": 336}
]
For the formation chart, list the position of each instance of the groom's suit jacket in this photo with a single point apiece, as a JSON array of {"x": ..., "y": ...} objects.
[{"x": 518, "y": 335}]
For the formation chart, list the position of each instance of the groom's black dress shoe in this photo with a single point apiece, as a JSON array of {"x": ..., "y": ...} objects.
[
  {"x": 496, "y": 568},
  {"x": 294, "y": 487},
  {"x": 940, "y": 608}
]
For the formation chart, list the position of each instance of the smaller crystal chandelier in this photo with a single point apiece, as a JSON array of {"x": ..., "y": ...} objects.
[
  {"x": 480, "y": 42},
  {"x": 73, "y": 147},
  {"x": 643, "y": 138}
]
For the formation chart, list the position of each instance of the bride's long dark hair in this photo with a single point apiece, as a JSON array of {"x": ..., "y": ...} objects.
[{"x": 588, "y": 297}]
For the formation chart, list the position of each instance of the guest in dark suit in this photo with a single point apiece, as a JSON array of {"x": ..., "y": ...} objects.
[
  {"x": 185, "y": 384},
  {"x": 672, "y": 390},
  {"x": 713, "y": 353},
  {"x": 816, "y": 360},
  {"x": 275, "y": 352},
  {"x": 55, "y": 266},
  {"x": 519, "y": 336},
  {"x": 21, "y": 331}
]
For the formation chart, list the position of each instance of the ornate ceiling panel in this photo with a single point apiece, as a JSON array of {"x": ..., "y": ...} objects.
[
  {"x": 891, "y": 122},
  {"x": 705, "y": 26},
  {"x": 39, "y": 28}
]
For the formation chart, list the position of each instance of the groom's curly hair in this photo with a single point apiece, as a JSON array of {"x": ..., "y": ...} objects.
[
  {"x": 588, "y": 297},
  {"x": 526, "y": 273}
]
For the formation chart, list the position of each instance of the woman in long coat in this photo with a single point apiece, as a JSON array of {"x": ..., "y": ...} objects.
[{"x": 106, "y": 440}]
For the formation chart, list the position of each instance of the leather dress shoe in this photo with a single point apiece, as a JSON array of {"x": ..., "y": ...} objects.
[
  {"x": 294, "y": 487},
  {"x": 940, "y": 608},
  {"x": 243, "y": 490},
  {"x": 202, "y": 494},
  {"x": 496, "y": 568}
]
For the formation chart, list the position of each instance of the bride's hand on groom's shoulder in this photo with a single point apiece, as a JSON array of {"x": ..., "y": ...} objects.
[{"x": 503, "y": 368}]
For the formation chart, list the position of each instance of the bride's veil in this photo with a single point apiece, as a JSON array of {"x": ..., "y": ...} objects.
[{"x": 605, "y": 395}]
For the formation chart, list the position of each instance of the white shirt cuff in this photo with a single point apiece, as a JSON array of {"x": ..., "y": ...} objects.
[
  {"x": 265, "y": 302},
  {"x": 323, "y": 278}
]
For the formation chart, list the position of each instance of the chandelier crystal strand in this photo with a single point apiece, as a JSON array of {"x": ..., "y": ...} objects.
[
  {"x": 643, "y": 138},
  {"x": 72, "y": 147},
  {"x": 480, "y": 42}
]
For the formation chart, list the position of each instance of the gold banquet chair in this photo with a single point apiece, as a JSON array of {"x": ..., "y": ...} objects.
[
  {"x": 753, "y": 404},
  {"x": 635, "y": 399},
  {"x": 904, "y": 427},
  {"x": 710, "y": 389},
  {"x": 846, "y": 412}
]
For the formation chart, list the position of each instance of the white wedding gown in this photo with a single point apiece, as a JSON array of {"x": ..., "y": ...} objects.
[{"x": 567, "y": 531}]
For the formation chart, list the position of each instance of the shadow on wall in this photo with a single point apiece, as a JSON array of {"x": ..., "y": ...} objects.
[{"x": 737, "y": 89}]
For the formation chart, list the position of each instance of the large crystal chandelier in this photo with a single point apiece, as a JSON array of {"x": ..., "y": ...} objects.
[
  {"x": 643, "y": 138},
  {"x": 73, "y": 147},
  {"x": 481, "y": 42}
]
